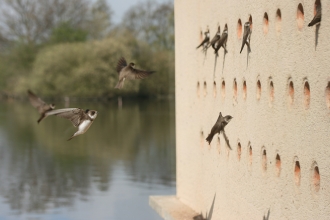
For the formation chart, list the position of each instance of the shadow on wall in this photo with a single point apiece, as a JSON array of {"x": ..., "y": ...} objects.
[
  {"x": 317, "y": 35},
  {"x": 200, "y": 217},
  {"x": 266, "y": 217}
]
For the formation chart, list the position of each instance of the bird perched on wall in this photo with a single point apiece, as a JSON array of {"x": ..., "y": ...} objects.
[
  {"x": 246, "y": 35},
  {"x": 219, "y": 126},
  {"x": 215, "y": 38},
  {"x": 206, "y": 40},
  {"x": 222, "y": 41},
  {"x": 80, "y": 118},
  {"x": 129, "y": 72},
  {"x": 317, "y": 17},
  {"x": 40, "y": 105}
]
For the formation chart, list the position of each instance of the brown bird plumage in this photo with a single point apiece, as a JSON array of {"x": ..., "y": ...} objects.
[
  {"x": 215, "y": 38},
  {"x": 246, "y": 34},
  {"x": 222, "y": 41},
  {"x": 219, "y": 127},
  {"x": 129, "y": 72},
  {"x": 206, "y": 40},
  {"x": 80, "y": 118},
  {"x": 40, "y": 105}
]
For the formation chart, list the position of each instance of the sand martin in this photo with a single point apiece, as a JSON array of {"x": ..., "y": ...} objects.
[
  {"x": 219, "y": 126},
  {"x": 40, "y": 105},
  {"x": 215, "y": 38},
  {"x": 317, "y": 17},
  {"x": 80, "y": 118},
  {"x": 206, "y": 40},
  {"x": 222, "y": 41},
  {"x": 247, "y": 32},
  {"x": 129, "y": 72}
]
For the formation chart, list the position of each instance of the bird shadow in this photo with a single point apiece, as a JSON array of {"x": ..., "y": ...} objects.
[
  {"x": 317, "y": 35},
  {"x": 226, "y": 139},
  {"x": 205, "y": 55},
  {"x": 248, "y": 55},
  {"x": 266, "y": 217},
  {"x": 208, "y": 217},
  {"x": 248, "y": 44},
  {"x": 215, "y": 65},
  {"x": 224, "y": 58}
]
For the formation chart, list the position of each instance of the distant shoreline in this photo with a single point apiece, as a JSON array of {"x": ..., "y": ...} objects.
[{"x": 7, "y": 97}]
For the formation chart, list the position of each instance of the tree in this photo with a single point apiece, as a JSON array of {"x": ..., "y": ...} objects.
[
  {"x": 153, "y": 23},
  {"x": 65, "y": 33},
  {"x": 31, "y": 21},
  {"x": 100, "y": 21}
]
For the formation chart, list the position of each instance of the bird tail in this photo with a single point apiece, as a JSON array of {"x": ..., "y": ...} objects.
[
  {"x": 72, "y": 137},
  {"x": 209, "y": 138},
  {"x": 41, "y": 117},
  {"x": 120, "y": 84},
  {"x": 242, "y": 47}
]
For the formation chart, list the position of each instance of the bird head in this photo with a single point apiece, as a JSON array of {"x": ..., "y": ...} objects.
[
  {"x": 225, "y": 29},
  {"x": 132, "y": 64},
  {"x": 52, "y": 106},
  {"x": 227, "y": 118},
  {"x": 91, "y": 113}
]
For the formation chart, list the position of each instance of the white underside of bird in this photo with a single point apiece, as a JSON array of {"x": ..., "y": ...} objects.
[{"x": 83, "y": 127}]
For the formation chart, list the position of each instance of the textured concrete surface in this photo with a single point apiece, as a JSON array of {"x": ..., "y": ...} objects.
[
  {"x": 171, "y": 208},
  {"x": 279, "y": 134}
]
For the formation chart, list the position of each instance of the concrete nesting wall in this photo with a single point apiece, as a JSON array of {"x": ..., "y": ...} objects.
[{"x": 279, "y": 96}]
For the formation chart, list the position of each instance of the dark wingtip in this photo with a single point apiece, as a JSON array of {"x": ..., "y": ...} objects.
[{"x": 209, "y": 139}]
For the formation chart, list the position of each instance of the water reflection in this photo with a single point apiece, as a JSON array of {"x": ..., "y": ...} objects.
[{"x": 127, "y": 155}]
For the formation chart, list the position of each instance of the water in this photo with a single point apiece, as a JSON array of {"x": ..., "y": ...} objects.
[{"x": 109, "y": 172}]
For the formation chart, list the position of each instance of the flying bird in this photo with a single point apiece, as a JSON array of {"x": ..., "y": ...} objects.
[
  {"x": 317, "y": 17},
  {"x": 222, "y": 41},
  {"x": 247, "y": 32},
  {"x": 215, "y": 38},
  {"x": 80, "y": 118},
  {"x": 206, "y": 40},
  {"x": 219, "y": 127},
  {"x": 129, "y": 72},
  {"x": 40, "y": 105}
]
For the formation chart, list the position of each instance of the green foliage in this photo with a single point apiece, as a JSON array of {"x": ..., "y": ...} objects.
[
  {"x": 65, "y": 33},
  {"x": 71, "y": 63},
  {"x": 79, "y": 69}
]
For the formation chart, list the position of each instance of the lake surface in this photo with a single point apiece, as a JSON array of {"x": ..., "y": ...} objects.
[{"x": 109, "y": 172}]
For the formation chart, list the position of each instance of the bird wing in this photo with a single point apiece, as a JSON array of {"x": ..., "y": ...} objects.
[
  {"x": 75, "y": 115},
  {"x": 214, "y": 39},
  {"x": 222, "y": 39},
  {"x": 121, "y": 64},
  {"x": 36, "y": 101},
  {"x": 317, "y": 18},
  {"x": 206, "y": 40},
  {"x": 138, "y": 74},
  {"x": 245, "y": 35}
]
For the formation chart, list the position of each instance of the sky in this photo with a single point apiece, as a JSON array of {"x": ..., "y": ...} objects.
[{"x": 119, "y": 7}]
